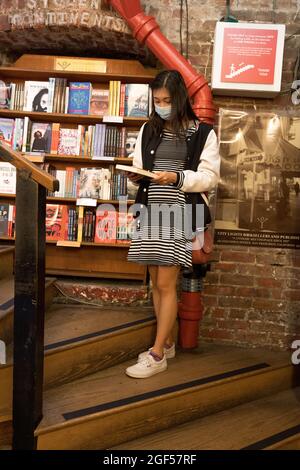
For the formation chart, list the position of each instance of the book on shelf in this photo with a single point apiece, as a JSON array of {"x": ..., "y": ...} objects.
[
  {"x": 6, "y": 130},
  {"x": 99, "y": 104},
  {"x": 5, "y": 95},
  {"x": 137, "y": 100},
  {"x": 4, "y": 210},
  {"x": 94, "y": 183},
  {"x": 134, "y": 169},
  {"x": 130, "y": 142},
  {"x": 106, "y": 226},
  {"x": 79, "y": 97},
  {"x": 36, "y": 96},
  {"x": 40, "y": 140},
  {"x": 7, "y": 178},
  {"x": 7, "y": 220},
  {"x": 68, "y": 141},
  {"x": 56, "y": 221}
]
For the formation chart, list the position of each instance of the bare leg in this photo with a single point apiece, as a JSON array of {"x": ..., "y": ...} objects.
[
  {"x": 155, "y": 292},
  {"x": 153, "y": 270},
  {"x": 166, "y": 285}
]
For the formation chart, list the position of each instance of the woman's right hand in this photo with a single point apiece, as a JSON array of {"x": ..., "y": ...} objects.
[{"x": 134, "y": 177}]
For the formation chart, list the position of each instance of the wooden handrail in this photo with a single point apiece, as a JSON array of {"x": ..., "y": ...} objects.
[{"x": 34, "y": 172}]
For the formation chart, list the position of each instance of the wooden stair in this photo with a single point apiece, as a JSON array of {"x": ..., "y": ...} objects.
[
  {"x": 7, "y": 254},
  {"x": 108, "y": 408},
  {"x": 272, "y": 422},
  {"x": 99, "y": 337},
  {"x": 89, "y": 402}
]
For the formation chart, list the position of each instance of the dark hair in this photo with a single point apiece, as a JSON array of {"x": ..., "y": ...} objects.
[
  {"x": 182, "y": 111},
  {"x": 36, "y": 104}
]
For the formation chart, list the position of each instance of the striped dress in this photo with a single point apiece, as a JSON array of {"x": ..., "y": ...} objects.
[{"x": 160, "y": 238}]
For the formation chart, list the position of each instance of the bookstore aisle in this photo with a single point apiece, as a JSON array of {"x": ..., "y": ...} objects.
[{"x": 77, "y": 125}]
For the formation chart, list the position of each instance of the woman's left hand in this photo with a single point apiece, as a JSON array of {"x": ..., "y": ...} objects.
[{"x": 165, "y": 177}]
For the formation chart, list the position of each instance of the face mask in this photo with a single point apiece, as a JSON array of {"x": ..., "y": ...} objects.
[{"x": 164, "y": 112}]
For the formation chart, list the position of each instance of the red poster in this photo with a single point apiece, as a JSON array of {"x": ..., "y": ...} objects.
[{"x": 249, "y": 55}]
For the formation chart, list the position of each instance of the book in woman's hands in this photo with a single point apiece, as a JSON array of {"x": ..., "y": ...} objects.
[{"x": 134, "y": 169}]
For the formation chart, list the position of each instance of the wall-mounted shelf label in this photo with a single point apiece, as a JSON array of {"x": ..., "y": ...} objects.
[
  {"x": 80, "y": 65},
  {"x": 115, "y": 119},
  {"x": 86, "y": 201},
  {"x": 68, "y": 243},
  {"x": 106, "y": 159}
]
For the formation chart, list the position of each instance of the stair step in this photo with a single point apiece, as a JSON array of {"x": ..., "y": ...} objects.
[
  {"x": 7, "y": 305},
  {"x": 7, "y": 254},
  {"x": 81, "y": 340},
  {"x": 107, "y": 408},
  {"x": 6, "y": 333},
  {"x": 265, "y": 423}
]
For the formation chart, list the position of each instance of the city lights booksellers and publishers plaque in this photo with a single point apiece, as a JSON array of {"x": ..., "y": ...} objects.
[
  {"x": 258, "y": 197},
  {"x": 247, "y": 59}
]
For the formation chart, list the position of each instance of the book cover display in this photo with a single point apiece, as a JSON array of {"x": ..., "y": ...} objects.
[
  {"x": 5, "y": 95},
  {"x": 68, "y": 141},
  {"x": 6, "y": 130},
  {"x": 7, "y": 178},
  {"x": 99, "y": 104},
  {"x": 137, "y": 100},
  {"x": 40, "y": 137},
  {"x": 130, "y": 142},
  {"x": 91, "y": 183},
  {"x": 79, "y": 97},
  {"x": 56, "y": 216},
  {"x": 4, "y": 210},
  {"x": 36, "y": 96},
  {"x": 106, "y": 226}
]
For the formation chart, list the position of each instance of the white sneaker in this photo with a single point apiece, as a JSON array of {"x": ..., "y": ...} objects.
[
  {"x": 168, "y": 352},
  {"x": 147, "y": 367}
]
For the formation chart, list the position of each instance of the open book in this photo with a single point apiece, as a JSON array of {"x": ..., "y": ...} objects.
[{"x": 134, "y": 169}]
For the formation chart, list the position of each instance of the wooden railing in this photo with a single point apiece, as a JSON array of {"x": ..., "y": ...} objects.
[{"x": 29, "y": 305}]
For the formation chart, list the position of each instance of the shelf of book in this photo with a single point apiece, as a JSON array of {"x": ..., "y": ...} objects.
[
  {"x": 82, "y": 119},
  {"x": 70, "y": 200},
  {"x": 108, "y": 135},
  {"x": 86, "y": 160},
  {"x": 120, "y": 244}
]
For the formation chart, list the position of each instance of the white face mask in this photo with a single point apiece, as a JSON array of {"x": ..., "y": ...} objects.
[{"x": 163, "y": 111}]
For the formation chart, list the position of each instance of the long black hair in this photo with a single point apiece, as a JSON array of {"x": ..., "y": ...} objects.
[{"x": 182, "y": 111}]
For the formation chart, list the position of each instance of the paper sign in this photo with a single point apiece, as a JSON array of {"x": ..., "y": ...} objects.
[
  {"x": 86, "y": 201},
  {"x": 113, "y": 119}
]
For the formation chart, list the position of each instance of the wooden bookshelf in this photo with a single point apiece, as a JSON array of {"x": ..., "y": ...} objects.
[
  {"x": 67, "y": 200},
  {"x": 108, "y": 260},
  {"x": 84, "y": 119}
]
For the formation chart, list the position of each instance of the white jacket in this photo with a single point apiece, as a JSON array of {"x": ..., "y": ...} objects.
[{"x": 208, "y": 172}]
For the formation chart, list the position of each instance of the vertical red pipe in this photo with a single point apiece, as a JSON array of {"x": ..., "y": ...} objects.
[{"x": 146, "y": 31}]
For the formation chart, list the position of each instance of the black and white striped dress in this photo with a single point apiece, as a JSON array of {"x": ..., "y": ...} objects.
[{"x": 157, "y": 241}]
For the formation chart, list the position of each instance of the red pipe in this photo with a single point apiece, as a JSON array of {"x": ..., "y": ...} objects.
[
  {"x": 146, "y": 31},
  {"x": 190, "y": 313}
]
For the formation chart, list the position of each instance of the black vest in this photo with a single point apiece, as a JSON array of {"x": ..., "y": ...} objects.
[{"x": 195, "y": 145}]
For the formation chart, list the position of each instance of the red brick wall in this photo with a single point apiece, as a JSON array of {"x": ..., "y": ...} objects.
[
  {"x": 251, "y": 297},
  {"x": 252, "y": 294}
]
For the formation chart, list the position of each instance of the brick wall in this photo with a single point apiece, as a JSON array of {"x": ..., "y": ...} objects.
[{"x": 251, "y": 295}]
